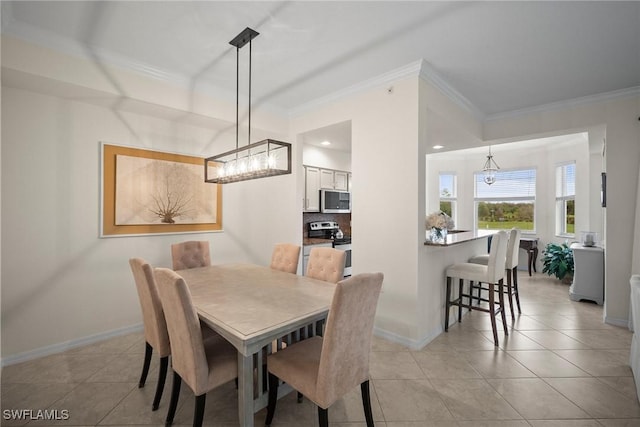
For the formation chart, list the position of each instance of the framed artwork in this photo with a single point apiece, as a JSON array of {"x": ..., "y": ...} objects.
[{"x": 150, "y": 192}]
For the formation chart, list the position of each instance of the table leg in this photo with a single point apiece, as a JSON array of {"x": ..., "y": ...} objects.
[
  {"x": 529, "y": 259},
  {"x": 535, "y": 258},
  {"x": 245, "y": 390}
]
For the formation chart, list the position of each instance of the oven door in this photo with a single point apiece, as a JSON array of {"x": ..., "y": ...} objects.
[{"x": 347, "y": 262}]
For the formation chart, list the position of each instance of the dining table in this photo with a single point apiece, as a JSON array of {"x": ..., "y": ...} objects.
[{"x": 252, "y": 306}]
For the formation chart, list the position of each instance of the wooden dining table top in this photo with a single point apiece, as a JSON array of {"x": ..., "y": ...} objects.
[{"x": 249, "y": 303}]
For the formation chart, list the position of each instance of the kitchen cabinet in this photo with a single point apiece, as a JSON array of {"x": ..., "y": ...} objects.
[
  {"x": 333, "y": 180},
  {"x": 312, "y": 189}
]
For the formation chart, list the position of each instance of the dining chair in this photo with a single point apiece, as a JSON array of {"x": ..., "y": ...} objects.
[
  {"x": 511, "y": 269},
  {"x": 326, "y": 368},
  {"x": 203, "y": 364},
  {"x": 191, "y": 254},
  {"x": 326, "y": 264},
  {"x": 155, "y": 328},
  {"x": 285, "y": 257},
  {"x": 492, "y": 274}
]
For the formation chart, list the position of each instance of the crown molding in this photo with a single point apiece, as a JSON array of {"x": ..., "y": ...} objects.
[
  {"x": 409, "y": 70},
  {"x": 567, "y": 104},
  {"x": 429, "y": 74}
]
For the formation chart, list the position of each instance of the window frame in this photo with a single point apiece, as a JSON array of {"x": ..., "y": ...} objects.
[
  {"x": 454, "y": 195},
  {"x": 561, "y": 200},
  {"x": 532, "y": 199}
]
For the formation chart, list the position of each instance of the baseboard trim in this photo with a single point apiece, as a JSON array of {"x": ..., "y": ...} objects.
[
  {"x": 68, "y": 345},
  {"x": 407, "y": 342},
  {"x": 623, "y": 323}
]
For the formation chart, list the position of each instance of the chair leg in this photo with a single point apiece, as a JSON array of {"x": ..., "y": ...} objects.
[
  {"x": 162, "y": 376},
  {"x": 273, "y": 398},
  {"x": 148, "y": 350},
  {"x": 460, "y": 284},
  {"x": 323, "y": 417},
  {"x": 510, "y": 295},
  {"x": 447, "y": 305},
  {"x": 492, "y": 312},
  {"x": 175, "y": 394},
  {"x": 470, "y": 295},
  {"x": 515, "y": 288},
  {"x": 198, "y": 413},
  {"x": 366, "y": 403},
  {"x": 501, "y": 302}
]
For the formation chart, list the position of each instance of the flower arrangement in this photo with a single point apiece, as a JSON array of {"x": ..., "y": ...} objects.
[{"x": 439, "y": 220}]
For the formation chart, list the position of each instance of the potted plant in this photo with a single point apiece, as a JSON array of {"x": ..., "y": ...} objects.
[{"x": 557, "y": 260}]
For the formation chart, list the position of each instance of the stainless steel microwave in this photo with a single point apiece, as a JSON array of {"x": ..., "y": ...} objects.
[{"x": 332, "y": 201}]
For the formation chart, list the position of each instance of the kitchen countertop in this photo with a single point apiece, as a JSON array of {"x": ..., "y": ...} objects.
[{"x": 307, "y": 241}]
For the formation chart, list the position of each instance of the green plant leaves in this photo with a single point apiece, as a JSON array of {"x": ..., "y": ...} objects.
[{"x": 557, "y": 260}]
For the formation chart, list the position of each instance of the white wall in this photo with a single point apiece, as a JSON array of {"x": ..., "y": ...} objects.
[
  {"x": 384, "y": 163},
  {"x": 61, "y": 283},
  {"x": 326, "y": 158}
]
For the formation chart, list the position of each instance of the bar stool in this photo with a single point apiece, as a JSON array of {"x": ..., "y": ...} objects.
[
  {"x": 492, "y": 274},
  {"x": 511, "y": 269}
]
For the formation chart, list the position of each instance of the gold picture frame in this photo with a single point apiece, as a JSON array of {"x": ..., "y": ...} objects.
[{"x": 153, "y": 192}]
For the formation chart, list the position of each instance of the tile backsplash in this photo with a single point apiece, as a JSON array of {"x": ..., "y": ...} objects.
[{"x": 343, "y": 220}]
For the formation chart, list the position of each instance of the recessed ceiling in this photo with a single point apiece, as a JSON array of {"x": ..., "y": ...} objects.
[{"x": 501, "y": 56}]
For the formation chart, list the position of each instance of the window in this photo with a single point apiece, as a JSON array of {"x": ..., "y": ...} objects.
[
  {"x": 508, "y": 203},
  {"x": 448, "y": 194},
  {"x": 565, "y": 199}
]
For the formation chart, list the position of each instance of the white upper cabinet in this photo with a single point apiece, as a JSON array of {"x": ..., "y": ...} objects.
[
  {"x": 340, "y": 181},
  {"x": 312, "y": 189},
  {"x": 334, "y": 180}
]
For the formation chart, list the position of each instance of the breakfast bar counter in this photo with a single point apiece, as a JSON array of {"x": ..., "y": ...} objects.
[
  {"x": 457, "y": 237},
  {"x": 435, "y": 258}
]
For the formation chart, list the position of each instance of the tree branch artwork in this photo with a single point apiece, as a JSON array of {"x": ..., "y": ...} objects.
[{"x": 171, "y": 204}]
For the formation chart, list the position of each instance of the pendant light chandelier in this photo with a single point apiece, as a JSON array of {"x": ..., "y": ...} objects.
[
  {"x": 489, "y": 170},
  {"x": 258, "y": 160}
]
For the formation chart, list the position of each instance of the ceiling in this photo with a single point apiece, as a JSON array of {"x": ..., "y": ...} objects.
[{"x": 500, "y": 56}]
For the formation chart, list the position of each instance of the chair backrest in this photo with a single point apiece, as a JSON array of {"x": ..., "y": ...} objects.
[
  {"x": 497, "y": 256},
  {"x": 188, "y": 357},
  {"x": 155, "y": 326},
  {"x": 285, "y": 257},
  {"x": 326, "y": 264},
  {"x": 191, "y": 254},
  {"x": 344, "y": 362},
  {"x": 513, "y": 249}
]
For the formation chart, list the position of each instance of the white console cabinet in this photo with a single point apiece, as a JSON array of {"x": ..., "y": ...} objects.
[{"x": 588, "y": 274}]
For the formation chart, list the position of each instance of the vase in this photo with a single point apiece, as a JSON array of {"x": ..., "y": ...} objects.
[{"x": 438, "y": 235}]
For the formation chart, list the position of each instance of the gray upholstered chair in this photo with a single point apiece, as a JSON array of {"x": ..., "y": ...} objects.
[
  {"x": 511, "y": 268},
  {"x": 202, "y": 364},
  {"x": 285, "y": 257},
  {"x": 155, "y": 328},
  {"x": 326, "y": 368},
  {"x": 491, "y": 274},
  {"x": 326, "y": 264},
  {"x": 191, "y": 254}
]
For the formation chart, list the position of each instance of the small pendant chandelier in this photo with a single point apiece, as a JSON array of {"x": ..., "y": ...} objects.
[
  {"x": 489, "y": 170},
  {"x": 258, "y": 160}
]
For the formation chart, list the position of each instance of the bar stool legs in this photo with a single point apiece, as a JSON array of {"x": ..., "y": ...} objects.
[{"x": 495, "y": 307}]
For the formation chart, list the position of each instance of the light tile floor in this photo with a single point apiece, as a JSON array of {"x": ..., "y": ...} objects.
[{"x": 559, "y": 366}]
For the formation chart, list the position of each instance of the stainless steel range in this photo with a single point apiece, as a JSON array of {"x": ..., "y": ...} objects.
[{"x": 331, "y": 230}]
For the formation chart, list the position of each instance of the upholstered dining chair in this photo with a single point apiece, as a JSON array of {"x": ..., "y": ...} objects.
[
  {"x": 191, "y": 254},
  {"x": 491, "y": 274},
  {"x": 285, "y": 257},
  {"x": 202, "y": 364},
  {"x": 326, "y": 368},
  {"x": 155, "y": 328},
  {"x": 511, "y": 269},
  {"x": 326, "y": 264}
]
